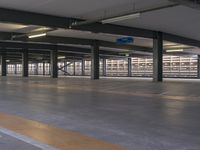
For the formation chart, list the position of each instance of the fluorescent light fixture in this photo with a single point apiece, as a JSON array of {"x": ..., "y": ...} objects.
[
  {"x": 174, "y": 50},
  {"x": 7, "y": 60},
  {"x": 127, "y": 55},
  {"x": 37, "y": 35},
  {"x": 169, "y": 44},
  {"x": 121, "y": 18},
  {"x": 61, "y": 57}
]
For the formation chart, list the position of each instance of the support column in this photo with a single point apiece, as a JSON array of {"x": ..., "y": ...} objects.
[
  {"x": 95, "y": 61},
  {"x": 54, "y": 64},
  {"x": 25, "y": 63},
  {"x": 198, "y": 66},
  {"x": 129, "y": 67},
  {"x": 49, "y": 66},
  {"x": 104, "y": 67},
  {"x": 3, "y": 64},
  {"x": 15, "y": 69},
  {"x": 36, "y": 68},
  {"x": 65, "y": 67},
  {"x": 74, "y": 67},
  {"x": 44, "y": 68},
  {"x": 83, "y": 67},
  {"x": 158, "y": 57}
]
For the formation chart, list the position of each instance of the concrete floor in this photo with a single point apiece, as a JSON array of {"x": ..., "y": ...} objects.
[
  {"x": 139, "y": 115},
  {"x": 10, "y": 143}
]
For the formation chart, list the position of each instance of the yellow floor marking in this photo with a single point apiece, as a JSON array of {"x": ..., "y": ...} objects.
[{"x": 55, "y": 137}]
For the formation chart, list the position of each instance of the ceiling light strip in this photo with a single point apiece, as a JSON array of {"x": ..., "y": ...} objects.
[
  {"x": 121, "y": 18},
  {"x": 37, "y": 35},
  {"x": 174, "y": 50}
]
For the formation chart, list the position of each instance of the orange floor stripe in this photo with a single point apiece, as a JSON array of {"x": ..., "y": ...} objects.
[{"x": 55, "y": 137}]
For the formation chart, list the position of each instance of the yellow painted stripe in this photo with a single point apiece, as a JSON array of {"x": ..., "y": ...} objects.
[{"x": 55, "y": 137}]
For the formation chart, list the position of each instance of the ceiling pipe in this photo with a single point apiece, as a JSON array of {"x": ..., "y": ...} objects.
[{"x": 32, "y": 34}]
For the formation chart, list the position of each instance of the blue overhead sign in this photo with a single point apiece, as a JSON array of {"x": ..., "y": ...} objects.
[{"x": 125, "y": 40}]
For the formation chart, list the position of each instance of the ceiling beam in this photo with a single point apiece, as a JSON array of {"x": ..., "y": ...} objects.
[
  {"x": 78, "y": 41},
  {"x": 14, "y": 45},
  {"x": 40, "y": 58},
  {"x": 195, "y": 4},
  {"x": 125, "y": 47},
  {"x": 116, "y": 29},
  {"x": 16, "y": 54},
  {"x": 63, "y": 40},
  {"x": 26, "y": 45},
  {"x": 29, "y": 18},
  {"x": 181, "y": 40}
]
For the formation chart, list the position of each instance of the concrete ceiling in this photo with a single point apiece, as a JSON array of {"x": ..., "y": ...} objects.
[
  {"x": 79, "y": 8},
  {"x": 180, "y": 20}
]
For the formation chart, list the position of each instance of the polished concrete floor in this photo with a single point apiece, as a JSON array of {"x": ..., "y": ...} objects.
[
  {"x": 136, "y": 114},
  {"x": 11, "y": 143},
  {"x": 47, "y": 137}
]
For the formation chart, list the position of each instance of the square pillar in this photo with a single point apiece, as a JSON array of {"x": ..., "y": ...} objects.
[
  {"x": 158, "y": 57},
  {"x": 198, "y": 66},
  {"x": 36, "y": 68},
  {"x": 3, "y": 64},
  {"x": 95, "y": 61},
  {"x": 74, "y": 62},
  {"x": 83, "y": 67},
  {"x": 43, "y": 68},
  {"x": 104, "y": 67},
  {"x": 129, "y": 67},
  {"x": 65, "y": 67},
  {"x": 54, "y": 63},
  {"x": 15, "y": 69},
  {"x": 25, "y": 63}
]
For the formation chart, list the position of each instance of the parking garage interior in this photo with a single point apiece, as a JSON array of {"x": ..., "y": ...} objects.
[{"x": 99, "y": 75}]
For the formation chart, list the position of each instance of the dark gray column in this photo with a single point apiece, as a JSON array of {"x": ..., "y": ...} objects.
[
  {"x": 15, "y": 68},
  {"x": 36, "y": 68},
  {"x": 54, "y": 64},
  {"x": 83, "y": 67},
  {"x": 198, "y": 66},
  {"x": 95, "y": 61},
  {"x": 158, "y": 57},
  {"x": 44, "y": 69},
  {"x": 74, "y": 67},
  {"x": 129, "y": 67},
  {"x": 104, "y": 67},
  {"x": 49, "y": 68},
  {"x": 65, "y": 67},
  {"x": 25, "y": 63},
  {"x": 3, "y": 64}
]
